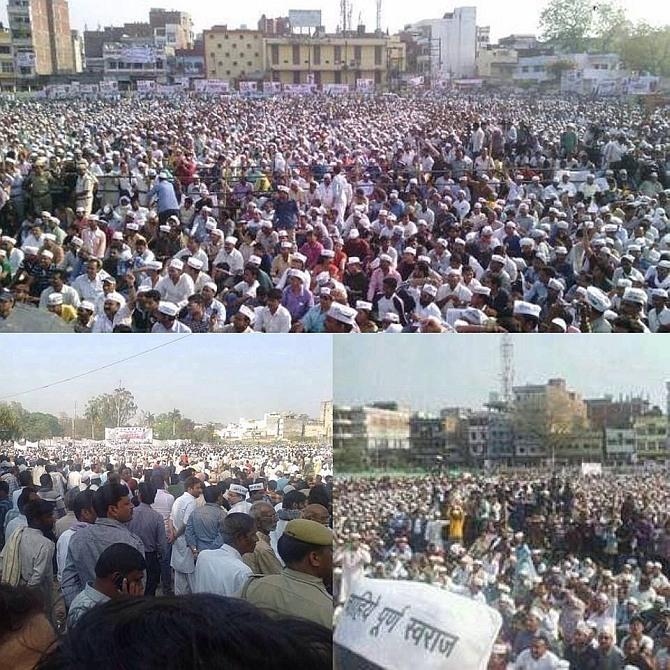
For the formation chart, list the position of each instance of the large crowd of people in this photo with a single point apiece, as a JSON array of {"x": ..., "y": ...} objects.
[
  {"x": 578, "y": 567},
  {"x": 192, "y": 555},
  {"x": 431, "y": 213}
]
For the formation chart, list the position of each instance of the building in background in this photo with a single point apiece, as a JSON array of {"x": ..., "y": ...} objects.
[
  {"x": 41, "y": 38},
  {"x": 172, "y": 29},
  {"x": 324, "y": 59},
  {"x": 453, "y": 41},
  {"x": 132, "y": 60},
  {"x": 233, "y": 55},
  {"x": 7, "y": 66},
  {"x": 277, "y": 26}
]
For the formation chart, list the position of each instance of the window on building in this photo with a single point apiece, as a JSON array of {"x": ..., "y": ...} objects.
[
  {"x": 338, "y": 55},
  {"x": 249, "y": 64},
  {"x": 296, "y": 54},
  {"x": 525, "y": 68},
  {"x": 234, "y": 63},
  {"x": 358, "y": 54},
  {"x": 317, "y": 77},
  {"x": 228, "y": 72},
  {"x": 213, "y": 55},
  {"x": 296, "y": 77},
  {"x": 219, "y": 46},
  {"x": 220, "y": 63},
  {"x": 248, "y": 46},
  {"x": 378, "y": 55},
  {"x": 317, "y": 55},
  {"x": 241, "y": 37},
  {"x": 275, "y": 76},
  {"x": 274, "y": 53},
  {"x": 378, "y": 77},
  {"x": 226, "y": 36},
  {"x": 5, "y": 50},
  {"x": 338, "y": 77},
  {"x": 359, "y": 74}
]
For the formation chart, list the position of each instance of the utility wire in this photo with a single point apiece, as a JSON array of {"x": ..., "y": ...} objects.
[{"x": 90, "y": 372}]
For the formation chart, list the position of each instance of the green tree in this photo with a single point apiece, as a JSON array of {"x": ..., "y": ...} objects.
[
  {"x": 10, "y": 426},
  {"x": 559, "y": 67},
  {"x": 576, "y": 25},
  {"x": 647, "y": 49},
  {"x": 40, "y": 426},
  {"x": 119, "y": 408}
]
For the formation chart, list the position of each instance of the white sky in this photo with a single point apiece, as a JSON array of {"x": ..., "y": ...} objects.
[
  {"x": 516, "y": 16},
  {"x": 436, "y": 371}
]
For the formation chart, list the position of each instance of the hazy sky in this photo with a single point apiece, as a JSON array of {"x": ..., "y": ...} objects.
[
  {"x": 210, "y": 378},
  {"x": 431, "y": 372},
  {"x": 517, "y": 16}
]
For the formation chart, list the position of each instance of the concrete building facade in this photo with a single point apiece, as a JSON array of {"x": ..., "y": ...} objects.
[
  {"x": 454, "y": 43},
  {"x": 7, "y": 66},
  {"x": 333, "y": 59},
  {"x": 233, "y": 55}
]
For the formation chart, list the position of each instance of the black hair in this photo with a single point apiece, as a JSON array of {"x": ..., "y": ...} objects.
[
  {"x": 4, "y": 486},
  {"x": 293, "y": 551},
  {"x": 18, "y": 604},
  {"x": 193, "y": 631},
  {"x": 82, "y": 501},
  {"x": 147, "y": 492},
  {"x": 46, "y": 481},
  {"x": 157, "y": 481},
  {"x": 275, "y": 294},
  {"x": 119, "y": 557},
  {"x": 25, "y": 478},
  {"x": 153, "y": 295},
  {"x": 293, "y": 498},
  {"x": 191, "y": 481},
  {"x": 108, "y": 495},
  {"x": 211, "y": 493},
  {"x": 36, "y": 509},
  {"x": 236, "y": 524},
  {"x": 24, "y": 497},
  {"x": 318, "y": 495}
]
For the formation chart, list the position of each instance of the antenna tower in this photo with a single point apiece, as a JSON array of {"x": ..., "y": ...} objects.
[
  {"x": 379, "y": 16},
  {"x": 507, "y": 368}
]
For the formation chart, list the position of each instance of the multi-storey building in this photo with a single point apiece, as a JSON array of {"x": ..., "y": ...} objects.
[
  {"x": 651, "y": 436},
  {"x": 7, "y": 78},
  {"x": 172, "y": 29},
  {"x": 133, "y": 60},
  {"x": 453, "y": 40},
  {"x": 324, "y": 59},
  {"x": 379, "y": 432},
  {"x": 326, "y": 418},
  {"x": 233, "y": 55},
  {"x": 41, "y": 37}
]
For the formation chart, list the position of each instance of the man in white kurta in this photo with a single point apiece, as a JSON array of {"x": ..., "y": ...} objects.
[
  {"x": 354, "y": 558},
  {"x": 182, "y": 557},
  {"x": 222, "y": 571}
]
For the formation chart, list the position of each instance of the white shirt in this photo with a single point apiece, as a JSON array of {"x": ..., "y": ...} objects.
[
  {"x": 526, "y": 662},
  {"x": 61, "y": 550},
  {"x": 279, "y": 322},
  {"x": 234, "y": 259},
  {"x": 221, "y": 571},
  {"x": 177, "y": 327},
  {"x": 74, "y": 479},
  {"x": 163, "y": 504},
  {"x": 182, "y": 557},
  {"x": 178, "y": 293},
  {"x": 87, "y": 289},
  {"x": 70, "y": 296}
]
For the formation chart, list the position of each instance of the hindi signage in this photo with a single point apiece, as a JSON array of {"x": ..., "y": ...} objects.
[
  {"x": 129, "y": 434},
  {"x": 271, "y": 87},
  {"x": 398, "y": 625},
  {"x": 212, "y": 86},
  {"x": 248, "y": 87},
  {"x": 146, "y": 85},
  {"x": 365, "y": 85},
  {"x": 336, "y": 89}
]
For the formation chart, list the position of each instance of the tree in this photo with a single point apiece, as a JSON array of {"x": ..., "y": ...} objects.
[
  {"x": 559, "y": 67},
  {"x": 575, "y": 25},
  {"x": 40, "y": 426},
  {"x": 647, "y": 49},
  {"x": 119, "y": 408},
  {"x": 93, "y": 413},
  {"x": 10, "y": 427},
  {"x": 174, "y": 417}
]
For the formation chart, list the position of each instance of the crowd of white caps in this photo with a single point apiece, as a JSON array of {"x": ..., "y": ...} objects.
[{"x": 434, "y": 213}]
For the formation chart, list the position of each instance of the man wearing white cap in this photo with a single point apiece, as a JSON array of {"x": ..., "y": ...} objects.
[
  {"x": 56, "y": 306},
  {"x": 177, "y": 287},
  {"x": 237, "y": 495},
  {"x": 426, "y": 307},
  {"x": 528, "y": 316},
  {"x": 95, "y": 240},
  {"x": 166, "y": 320},
  {"x": 58, "y": 285},
  {"x": 230, "y": 255},
  {"x": 242, "y": 322},
  {"x": 108, "y": 319},
  {"x": 84, "y": 188},
  {"x": 340, "y": 319},
  {"x": 14, "y": 255},
  {"x": 273, "y": 317}
]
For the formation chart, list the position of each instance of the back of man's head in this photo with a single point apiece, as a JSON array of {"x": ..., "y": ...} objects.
[
  {"x": 81, "y": 502},
  {"x": 293, "y": 499},
  {"x": 24, "y": 497},
  {"x": 236, "y": 525},
  {"x": 212, "y": 493},
  {"x": 36, "y": 509},
  {"x": 147, "y": 493},
  {"x": 121, "y": 558}
]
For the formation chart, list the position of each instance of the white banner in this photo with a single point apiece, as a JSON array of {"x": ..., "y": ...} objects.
[
  {"x": 299, "y": 89},
  {"x": 146, "y": 85},
  {"x": 129, "y": 434},
  {"x": 416, "y": 81},
  {"x": 643, "y": 85},
  {"x": 399, "y": 625},
  {"x": 589, "y": 469},
  {"x": 336, "y": 89},
  {"x": 109, "y": 87},
  {"x": 184, "y": 82},
  {"x": 271, "y": 87},
  {"x": 164, "y": 89},
  {"x": 248, "y": 87},
  {"x": 25, "y": 59},
  {"x": 365, "y": 85},
  {"x": 212, "y": 86},
  {"x": 87, "y": 89},
  {"x": 142, "y": 55}
]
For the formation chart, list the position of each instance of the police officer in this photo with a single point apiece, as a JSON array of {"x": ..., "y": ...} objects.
[{"x": 306, "y": 547}]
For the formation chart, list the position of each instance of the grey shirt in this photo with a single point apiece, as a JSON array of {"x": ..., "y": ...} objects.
[
  {"x": 148, "y": 525},
  {"x": 203, "y": 529},
  {"x": 85, "y": 548},
  {"x": 613, "y": 660}
]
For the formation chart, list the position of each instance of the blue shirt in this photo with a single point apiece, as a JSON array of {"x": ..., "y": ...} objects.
[
  {"x": 164, "y": 191},
  {"x": 286, "y": 215},
  {"x": 315, "y": 320}
]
